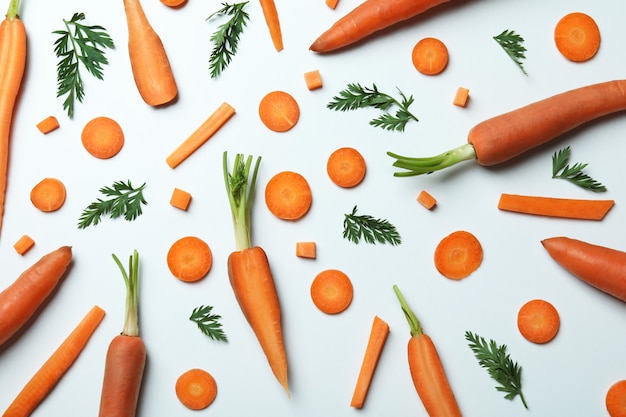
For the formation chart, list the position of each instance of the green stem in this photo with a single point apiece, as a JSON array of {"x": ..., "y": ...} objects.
[
  {"x": 419, "y": 166},
  {"x": 414, "y": 323},
  {"x": 131, "y": 279},
  {"x": 13, "y": 11}
]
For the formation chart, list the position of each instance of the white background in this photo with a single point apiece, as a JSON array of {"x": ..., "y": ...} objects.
[{"x": 568, "y": 376}]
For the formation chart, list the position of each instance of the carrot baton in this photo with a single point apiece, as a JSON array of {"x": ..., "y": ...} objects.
[
  {"x": 569, "y": 208},
  {"x": 508, "y": 135}
]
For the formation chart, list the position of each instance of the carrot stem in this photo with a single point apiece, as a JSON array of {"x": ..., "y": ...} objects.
[
  {"x": 426, "y": 165},
  {"x": 414, "y": 323},
  {"x": 13, "y": 11},
  {"x": 131, "y": 327}
]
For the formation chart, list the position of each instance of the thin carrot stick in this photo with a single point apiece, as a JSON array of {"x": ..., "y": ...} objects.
[
  {"x": 556, "y": 207},
  {"x": 273, "y": 23}
]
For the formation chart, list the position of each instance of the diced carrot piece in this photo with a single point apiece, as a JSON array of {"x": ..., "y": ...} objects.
[
  {"x": 332, "y": 3},
  {"x": 461, "y": 97},
  {"x": 180, "y": 199},
  {"x": 313, "y": 79},
  {"x": 24, "y": 244},
  {"x": 48, "y": 124},
  {"x": 306, "y": 250},
  {"x": 426, "y": 199}
]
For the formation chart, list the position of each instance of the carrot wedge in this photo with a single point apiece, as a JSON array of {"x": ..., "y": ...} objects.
[
  {"x": 375, "y": 344},
  {"x": 556, "y": 207},
  {"x": 273, "y": 23}
]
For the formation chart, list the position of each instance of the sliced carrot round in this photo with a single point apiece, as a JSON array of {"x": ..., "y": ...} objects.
[
  {"x": 538, "y": 321},
  {"x": 616, "y": 399},
  {"x": 48, "y": 194},
  {"x": 103, "y": 137},
  {"x": 174, "y": 3},
  {"x": 458, "y": 255},
  {"x": 331, "y": 291},
  {"x": 288, "y": 195},
  {"x": 577, "y": 37},
  {"x": 346, "y": 167},
  {"x": 279, "y": 111},
  {"x": 430, "y": 56},
  {"x": 196, "y": 389},
  {"x": 189, "y": 259}
]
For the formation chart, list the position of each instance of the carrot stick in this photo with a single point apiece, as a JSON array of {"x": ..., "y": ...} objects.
[
  {"x": 12, "y": 64},
  {"x": 189, "y": 259},
  {"x": 53, "y": 369},
  {"x": 556, "y": 207},
  {"x": 196, "y": 389},
  {"x": 367, "y": 18},
  {"x": 20, "y": 300},
  {"x": 601, "y": 267},
  {"x": 577, "y": 37},
  {"x": 538, "y": 321},
  {"x": 150, "y": 66},
  {"x": 430, "y": 56},
  {"x": 615, "y": 400},
  {"x": 273, "y": 23},
  {"x": 288, "y": 195},
  {"x": 202, "y": 134},
  {"x": 375, "y": 344}
]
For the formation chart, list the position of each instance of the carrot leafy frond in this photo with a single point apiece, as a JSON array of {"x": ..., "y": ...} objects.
[
  {"x": 226, "y": 38},
  {"x": 125, "y": 201},
  {"x": 369, "y": 228},
  {"x": 208, "y": 323},
  {"x": 574, "y": 173},
  {"x": 131, "y": 279},
  {"x": 511, "y": 42},
  {"x": 425, "y": 165}
]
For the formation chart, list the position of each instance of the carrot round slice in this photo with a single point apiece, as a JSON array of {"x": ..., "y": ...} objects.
[
  {"x": 102, "y": 137},
  {"x": 430, "y": 56},
  {"x": 189, "y": 259},
  {"x": 331, "y": 291},
  {"x": 577, "y": 37},
  {"x": 48, "y": 195},
  {"x": 538, "y": 321},
  {"x": 288, "y": 195},
  {"x": 346, "y": 167},
  {"x": 196, "y": 389},
  {"x": 458, "y": 255},
  {"x": 279, "y": 111},
  {"x": 616, "y": 399},
  {"x": 174, "y": 3}
]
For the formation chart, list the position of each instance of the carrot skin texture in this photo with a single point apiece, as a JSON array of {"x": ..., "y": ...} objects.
[
  {"x": 556, "y": 207},
  {"x": 20, "y": 300}
]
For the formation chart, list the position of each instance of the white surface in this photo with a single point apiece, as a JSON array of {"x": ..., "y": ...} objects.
[{"x": 569, "y": 376}]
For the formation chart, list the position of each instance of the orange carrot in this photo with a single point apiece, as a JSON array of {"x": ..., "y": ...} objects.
[
  {"x": 331, "y": 291},
  {"x": 556, "y": 207},
  {"x": 346, "y": 167},
  {"x": 288, "y": 195},
  {"x": 313, "y": 79},
  {"x": 102, "y": 137},
  {"x": 279, "y": 111},
  {"x": 202, "y": 134},
  {"x": 196, "y": 389},
  {"x": 601, "y": 267},
  {"x": 427, "y": 372},
  {"x": 332, "y": 3},
  {"x": 23, "y": 244},
  {"x": 174, "y": 3},
  {"x": 461, "y": 97},
  {"x": 249, "y": 270},
  {"x": 426, "y": 200},
  {"x": 367, "y": 18},
  {"x": 189, "y": 259},
  {"x": 180, "y": 199},
  {"x": 273, "y": 23},
  {"x": 149, "y": 63},
  {"x": 375, "y": 344},
  {"x": 20, "y": 300},
  {"x": 126, "y": 354},
  {"x": 458, "y": 255},
  {"x": 538, "y": 321},
  {"x": 577, "y": 37},
  {"x": 48, "y": 124},
  {"x": 53, "y": 369},
  {"x": 12, "y": 64},
  {"x": 615, "y": 400},
  {"x": 306, "y": 250},
  {"x": 429, "y": 56},
  {"x": 48, "y": 194}
]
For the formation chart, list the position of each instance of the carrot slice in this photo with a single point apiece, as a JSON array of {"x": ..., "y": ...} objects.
[
  {"x": 331, "y": 291},
  {"x": 426, "y": 200},
  {"x": 430, "y": 56},
  {"x": 102, "y": 137},
  {"x": 48, "y": 124},
  {"x": 538, "y": 321},
  {"x": 279, "y": 111},
  {"x": 306, "y": 250},
  {"x": 174, "y": 3},
  {"x": 180, "y": 199},
  {"x": 313, "y": 79},
  {"x": 189, "y": 259},
  {"x": 615, "y": 400},
  {"x": 288, "y": 195},
  {"x": 196, "y": 389},
  {"x": 577, "y": 37},
  {"x": 346, "y": 167},
  {"x": 458, "y": 255},
  {"x": 23, "y": 244},
  {"x": 48, "y": 195},
  {"x": 461, "y": 97},
  {"x": 556, "y": 207}
]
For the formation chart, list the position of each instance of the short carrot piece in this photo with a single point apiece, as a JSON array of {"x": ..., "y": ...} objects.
[
  {"x": 56, "y": 366},
  {"x": 273, "y": 23},
  {"x": 346, "y": 167},
  {"x": 279, "y": 111},
  {"x": 426, "y": 199},
  {"x": 538, "y": 321},
  {"x": 332, "y": 291},
  {"x": 615, "y": 400},
  {"x": 23, "y": 244},
  {"x": 48, "y": 124},
  {"x": 180, "y": 199},
  {"x": 288, "y": 195},
  {"x": 458, "y": 255},
  {"x": 313, "y": 80},
  {"x": 375, "y": 344},
  {"x": 577, "y": 37},
  {"x": 102, "y": 137},
  {"x": 461, "y": 97},
  {"x": 569, "y": 208},
  {"x": 202, "y": 134},
  {"x": 430, "y": 56},
  {"x": 306, "y": 250},
  {"x": 332, "y": 3},
  {"x": 189, "y": 259},
  {"x": 48, "y": 194},
  {"x": 196, "y": 389}
]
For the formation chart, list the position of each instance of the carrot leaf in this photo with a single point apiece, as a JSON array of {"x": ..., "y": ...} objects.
[
  {"x": 574, "y": 173},
  {"x": 226, "y": 38},
  {"x": 208, "y": 323},
  {"x": 370, "y": 229},
  {"x": 125, "y": 201},
  {"x": 511, "y": 42},
  {"x": 131, "y": 279}
]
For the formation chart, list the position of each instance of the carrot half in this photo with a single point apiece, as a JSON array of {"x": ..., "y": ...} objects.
[
  {"x": 556, "y": 207},
  {"x": 12, "y": 64},
  {"x": 20, "y": 300},
  {"x": 601, "y": 267},
  {"x": 53, "y": 369},
  {"x": 273, "y": 23},
  {"x": 427, "y": 372},
  {"x": 367, "y": 18}
]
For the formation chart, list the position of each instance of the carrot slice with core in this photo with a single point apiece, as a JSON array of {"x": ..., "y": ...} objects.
[
  {"x": 430, "y": 56},
  {"x": 279, "y": 111},
  {"x": 189, "y": 259},
  {"x": 616, "y": 399},
  {"x": 102, "y": 137},
  {"x": 577, "y": 37},
  {"x": 556, "y": 207},
  {"x": 538, "y": 321},
  {"x": 196, "y": 389},
  {"x": 288, "y": 195},
  {"x": 346, "y": 167},
  {"x": 458, "y": 255},
  {"x": 331, "y": 291},
  {"x": 48, "y": 195}
]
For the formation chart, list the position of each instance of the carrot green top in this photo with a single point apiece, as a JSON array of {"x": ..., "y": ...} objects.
[
  {"x": 12, "y": 13},
  {"x": 414, "y": 323},
  {"x": 131, "y": 327}
]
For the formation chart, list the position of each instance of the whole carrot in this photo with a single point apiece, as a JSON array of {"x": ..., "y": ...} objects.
[
  {"x": 12, "y": 64},
  {"x": 20, "y": 300}
]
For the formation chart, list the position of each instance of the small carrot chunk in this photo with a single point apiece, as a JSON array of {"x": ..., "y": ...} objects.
[
  {"x": 346, "y": 167},
  {"x": 102, "y": 137},
  {"x": 180, "y": 199},
  {"x": 538, "y": 321},
  {"x": 458, "y": 255},
  {"x": 332, "y": 3},
  {"x": 279, "y": 111},
  {"x": 615, "y": 400},
  {"x": 430, "y": 56},
  {"x": 306, "y": 250},
  {"x": 174, "y": 3},
  {"x": 313, "y": 79},
  {"x": 23, "y": 244},
  {"x": 288, "y": 195},
  {"x": 189, "y": 259},
  {"x": 48, "y": 195},
  {"x": 331, "y": 291},
  {"x": 461, "y": 97},
  {"x": 196, "y": 389},
  {"x": 48, "y": 124},
  {"x": 577, "y": 37},
  {"x": 426, "y": 200}
]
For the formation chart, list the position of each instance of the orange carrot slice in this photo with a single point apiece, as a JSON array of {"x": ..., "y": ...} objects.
[
  {"x": 556, "y": 207},
  {"x": 48, "y": 194},
  {"x": 196, "y": 389},
  {"x": 189, "y": 259},
  {"x": 430, "y": 56},
  {"x": 346, "y": 167},
  {"x": 174, "y": 3},
  {"x": 538, "y": 321},
  {"x": 331, "y": 291},
  {"x": 102, "y": 137},
  {"x": 458, "y": 255},
  {"x": 615, "y": 400},
  {"x": 577, "y": 37},
  {"x": 279, "y": 111},
  {"x": 288, "y": 195}
]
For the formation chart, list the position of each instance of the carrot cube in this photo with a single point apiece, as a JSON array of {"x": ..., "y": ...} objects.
[
  {"x": 313, "y": 79},
  {"x": 306, "y": 250},
  {"x": 426, "y": 199},
  {"x": 24, "y": 244},
  {"x": 332, "y": 3},
  {"x": 180, "y": 199},
  {"x": 48, "y": 124},
  {"x": 461, "y": 97}
]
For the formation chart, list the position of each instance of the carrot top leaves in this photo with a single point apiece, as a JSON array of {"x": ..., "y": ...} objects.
[
  {"x": 426, "y": 165},
  {"x": 208, "y": 323},
  {"x": 414, "y": 323},
  {"x": 511, "y": 42},
  {"x": 574, "y": 174},
  {"x": 125, "y": 201},
  {"x": 372, "y": 230},
  {"x": 226, "y": 37},
  {"x": 131, "y": 278}
]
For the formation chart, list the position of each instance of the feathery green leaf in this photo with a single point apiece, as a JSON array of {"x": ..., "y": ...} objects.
[
  {"x": 226, "y": 38},
  {"x": 370, "y": 229}
]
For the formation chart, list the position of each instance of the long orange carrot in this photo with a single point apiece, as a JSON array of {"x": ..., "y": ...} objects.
[
  {"x": 20, "y": 300},
  {"x": 150, "y": 65},
  {"x": 570, "y": 208},
  {"x": 12, "y": 64},
  {"x": 53, "y": 369},
  {"x": 249, "y": 270},
  {"x": 601, "y": 267},
  {"x": 367, "y": 18}
]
